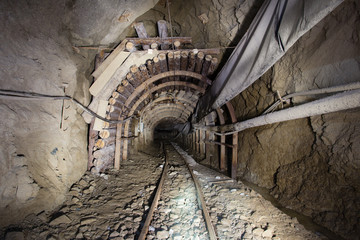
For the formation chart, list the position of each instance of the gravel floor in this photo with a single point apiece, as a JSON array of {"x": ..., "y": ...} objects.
[{"x": 114, "y": 206}]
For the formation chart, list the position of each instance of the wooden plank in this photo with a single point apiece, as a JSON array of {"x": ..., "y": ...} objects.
[
  {"x": 159, "y": 41},
  {"x": 137, "y": 58},
  {"x": 101, "y": 111},
  {"x": 162, "y": 28},
  {"x": 163, "y": 33},
  {"x": 99, "y": 70},
  {"x": 106, "y": 75},
  {"x": 141, "y": 32}
]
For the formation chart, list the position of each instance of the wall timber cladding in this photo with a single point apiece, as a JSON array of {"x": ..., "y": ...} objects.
[
  {"x": 310, "y": 165},
  {"x": 43, "y": 153}
]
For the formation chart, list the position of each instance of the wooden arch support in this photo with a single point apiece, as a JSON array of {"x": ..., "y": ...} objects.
[
  {"x": 182, "y": 74},
  {"x": 160, "y": 86},
  {"x": 133, "y": 109},
  {"x": 167, "y": 118},
  {"x": 186, "y": 105},
  {"x": 168, "y": 98},
  {"x": 167, "y": 103},
  {"x": 160, "y": 76},
  {"x": 162, "y": 111},
  {"x": 154, "y": 111},
  {"x": 223, "y": 144}
]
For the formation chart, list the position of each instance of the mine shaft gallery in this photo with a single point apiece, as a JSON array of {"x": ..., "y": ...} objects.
[{"x": 171, "y": 119}]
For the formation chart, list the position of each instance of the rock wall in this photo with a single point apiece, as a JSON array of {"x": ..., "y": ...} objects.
[
  {"x": 223, "y": 23},
  {"x": 310, "y": 165},
  {"x": 41, "y": 154}
]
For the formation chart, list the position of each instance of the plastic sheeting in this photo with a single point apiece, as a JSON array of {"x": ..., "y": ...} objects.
[{"x": 276, "y": 27}]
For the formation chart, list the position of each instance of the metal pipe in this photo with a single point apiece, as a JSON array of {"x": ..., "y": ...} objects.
[{"x": 337, "y": 102}]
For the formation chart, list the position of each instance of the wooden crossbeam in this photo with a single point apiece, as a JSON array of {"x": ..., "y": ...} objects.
[{"x": 159, "y": 41}]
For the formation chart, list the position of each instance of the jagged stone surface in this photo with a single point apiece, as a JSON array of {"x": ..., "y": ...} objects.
[
  {"x": 39, "y": 160},
  {"x": 310, "y": 165}
]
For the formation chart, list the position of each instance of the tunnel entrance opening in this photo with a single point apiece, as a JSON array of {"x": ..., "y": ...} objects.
[{"x": 166, "y": 131}]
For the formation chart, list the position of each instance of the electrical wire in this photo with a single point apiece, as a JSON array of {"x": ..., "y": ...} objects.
[
  {"x": 341, "y": 88},
  {"x": 171, "y": 33},
  {"x": 37, "y": 96}
]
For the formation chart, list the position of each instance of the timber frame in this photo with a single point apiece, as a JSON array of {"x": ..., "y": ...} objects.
[{"x": 141, "y": 89}]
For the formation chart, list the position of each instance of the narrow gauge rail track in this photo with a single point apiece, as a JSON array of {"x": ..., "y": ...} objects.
[{"x": 178, "y": 210}]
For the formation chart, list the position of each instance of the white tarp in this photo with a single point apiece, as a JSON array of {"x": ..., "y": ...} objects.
[{"x": 276, "y": 27}]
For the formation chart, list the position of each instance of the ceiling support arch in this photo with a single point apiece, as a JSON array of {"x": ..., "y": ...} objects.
[{"x": 171, "y": 74}]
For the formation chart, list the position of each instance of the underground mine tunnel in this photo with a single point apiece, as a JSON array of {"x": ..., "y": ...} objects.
[{"x": 169, "y": 119}]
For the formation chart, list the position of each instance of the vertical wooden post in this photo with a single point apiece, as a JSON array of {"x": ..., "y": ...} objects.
[
  {"x": 199, "y": 62},
  {"x": 177, "y": 62},
  {"x": 118, "y": 146},
  {"x": 197, "y": 141},
  {"x": 183, "y": 62},
  {"x": 191, "y": 63},
  {"x": 234, "y": 160},
  {"x": 209, "y": 136},
  {"x": 126, "y": 141},
  {"x": 213, "y": 66},
  {"x": 222, "y": 140},
  {"x": 202, "y": 147},
  {"x": 171, "y": 64},
  {"x": 207, "y": 147}
]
